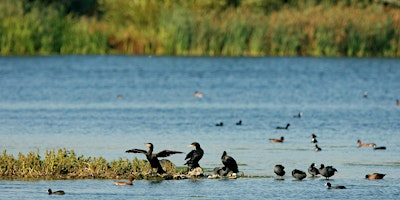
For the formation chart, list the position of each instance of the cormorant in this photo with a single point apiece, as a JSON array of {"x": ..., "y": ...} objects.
[
  {"x": 327, "y": 171},
  {"x": 279, "y": 170},
  {"x": 153, "y": 158},
  {"x": 280, "y": 127},
  {"x": 298, "y": 174},
  {"x": 335, "y": 187},
  {"x": 313, "y": 170},
  {"x": 239, "y": 123},
  {"x": 194, "y": 156},
  {"x": 229, "y": 162},
  {"x": 298, "y": 115}
]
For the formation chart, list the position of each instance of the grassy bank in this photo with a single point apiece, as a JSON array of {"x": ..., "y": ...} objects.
[
  {"x": 222, "y": 27},
  {"x": 65, "y": 164}
]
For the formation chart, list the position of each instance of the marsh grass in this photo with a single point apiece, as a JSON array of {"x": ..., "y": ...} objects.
[
  {"x": 252, "y": 28},
  {"x": 65, "y": 164}
]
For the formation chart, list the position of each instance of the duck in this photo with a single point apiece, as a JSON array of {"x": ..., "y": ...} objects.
[
  {"x": 335, "y": 187},
  {"x": 59, "y": 192},
  {"x": 313, "y": 140},
  {"x": 273, "y": 140},
  {"x": 313, "y": 170},
  {"x": 125, "y": 183},
  {"x": 220, "y": 124},
  {"x": 327, "y": 171},
  {"x": 365, "y": 95},
  {"x": 280, "y": 127},
  {"x": 317, "y": 148},
  {"x": 360, "y": 144},
  {"x": 374, "y": 176},
  {"x": 279, "y": 170},
  {"x": 298, "y": 174},
  {"x": 239, "y": 123},
  {"x": 378, "y": 148},
  {"x": 298, "y": 115},
  {"x": 398, "y": 102},
  {"x": 198, "y": 94}
]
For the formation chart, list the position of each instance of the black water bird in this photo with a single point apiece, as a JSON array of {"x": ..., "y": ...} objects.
[
  {"x": 327, "y": 171},
  {"x": 298, "y": 115},
  {"x": 279, "y": 170},
  {"x": 298, "y": 174},
  {"x": 153, "y": 158},
  {"x": 194, "y": 156},
  {"x": 317, "y": 148},
  {"x": 313, "y": 138},
  {"x": 313, "y": 170},
  {"x": 220, "y": 124},
  {"x": 239, "y": 123},
  {"x": 378, "y": 148},
  {"x": 280, "y": 127},
  {"x": 59, "y": 192},
  {"x": 335, "y": 187},
  {"x": 229, "y": 162}
]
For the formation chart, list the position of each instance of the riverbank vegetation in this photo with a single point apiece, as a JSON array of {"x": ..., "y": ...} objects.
[
  {"x": 201, "y": 28},
  {"x": 65, "y": 164}
]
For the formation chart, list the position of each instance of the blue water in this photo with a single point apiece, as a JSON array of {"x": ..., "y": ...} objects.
[{"x": 71, "y": 102}]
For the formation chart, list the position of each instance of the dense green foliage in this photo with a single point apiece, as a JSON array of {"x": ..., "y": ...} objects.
[
  {"x": 66, "y": 164},
  {"x": 207, "y": 27}
]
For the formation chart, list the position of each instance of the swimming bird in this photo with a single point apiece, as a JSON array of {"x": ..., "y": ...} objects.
[
  {"x": 313, "y": 170},
  {"x": 398, "y": 102},
  {"x": 239, "y": 123},
  {"x": 313, "y": 138},
  {"x": 374, "y": 176},
  {"x": 279, "y": 170},
  {"x": 153, "y": 158},
  {"x": 273, "y": 140},
  {"x": 59, "y": 192},
  {"x": 125, "y": 183},
  {"x": 229, "y": 162},
  {"x": 378, "y": 148},
  {"x": 298, "y": 174},
  {"x": 360, "y": 144},
  {"x": 298, "y": 115},
  {"x": 365, "y": 95},
  {"x": 194, "y": 156},
  {"x": 335, "y": 187},
  {"x": 280, "y": 127},
  {"x": 220, "y": 124},
  {"x": 198, "y": 94},
  {"x": 327, "y": 171},
  {"x": 317, "y": 148}
]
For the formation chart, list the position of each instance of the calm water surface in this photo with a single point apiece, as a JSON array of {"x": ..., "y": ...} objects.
[{"x": 71, "y": 102}]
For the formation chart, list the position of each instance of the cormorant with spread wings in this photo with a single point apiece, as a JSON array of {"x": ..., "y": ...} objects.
[{"x": 153, "y": 158}]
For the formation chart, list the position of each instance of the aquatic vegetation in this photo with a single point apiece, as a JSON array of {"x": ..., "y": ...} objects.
[
  {"x": 249, "y": 28},
  {"x": 65, "y": 163}
]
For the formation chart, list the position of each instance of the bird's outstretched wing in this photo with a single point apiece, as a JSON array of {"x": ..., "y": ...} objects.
[
  {"x": 189, "y": 155},
  {"x": 166, "y": 153},
  {"x": 136, "y": 151}
]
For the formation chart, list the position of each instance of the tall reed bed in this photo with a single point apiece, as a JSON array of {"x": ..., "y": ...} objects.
[
  {"x": 65, "y": 163},
  {"x": 251, "y": 28}
]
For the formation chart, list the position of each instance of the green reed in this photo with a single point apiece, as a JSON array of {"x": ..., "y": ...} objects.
[
  {"x": 65, "y": 163},
  {"x": 166, "y": 27}
]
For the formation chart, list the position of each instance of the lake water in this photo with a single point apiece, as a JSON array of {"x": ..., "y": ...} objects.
[{"x": 71, "y": 102}]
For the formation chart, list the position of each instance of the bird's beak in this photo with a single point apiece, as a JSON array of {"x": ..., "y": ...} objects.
[
  {"x": 147, "y": 144},
  {"x": 191, "y": 145}
]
